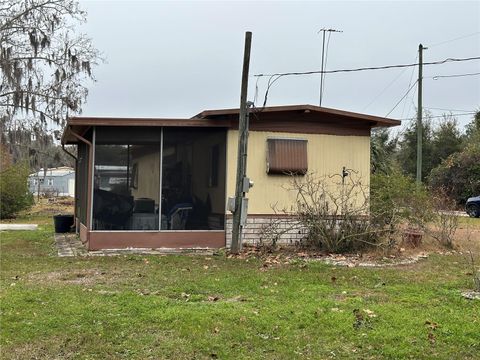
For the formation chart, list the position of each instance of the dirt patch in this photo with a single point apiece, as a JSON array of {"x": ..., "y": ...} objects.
[
  {"x": 79, "y": 277},
  {"x": 361, "y": 261},
  {"x": 293, "y": 256},
  {"x": 468, "y": 238},
  {"x": 51, "y": 206},
  {"x": 403, "y": 254},
  {"x": 53, "y": 347}
]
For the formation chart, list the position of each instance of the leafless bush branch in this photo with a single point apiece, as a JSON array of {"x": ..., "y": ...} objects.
[
  {"x": 334, "y": 212},
  {"x": 475, "y": 271},
  {"x": 444, "y": 222}
]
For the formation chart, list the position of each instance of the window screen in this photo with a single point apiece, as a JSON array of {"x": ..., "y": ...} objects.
[{"x": 287, "y": 156}]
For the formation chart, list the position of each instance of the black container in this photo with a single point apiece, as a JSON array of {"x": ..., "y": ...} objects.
[{"x": 63, "y": 223}]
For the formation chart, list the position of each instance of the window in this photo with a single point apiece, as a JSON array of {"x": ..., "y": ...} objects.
[
  {"x": 50, "y": 182},
  {"x": 126, "y": 187},
  {"x": 287, "y": 156}
]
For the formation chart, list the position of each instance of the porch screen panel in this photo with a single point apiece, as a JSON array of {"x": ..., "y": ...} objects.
[
  {"x": 193, "y": 179},
  {"x": 81, "y": 181},
  {"x": 126, "y": 179},
  {"x": 287, "y": 156}
]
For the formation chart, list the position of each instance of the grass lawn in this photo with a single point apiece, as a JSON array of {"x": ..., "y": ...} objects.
[{"x": 202, "y": 307}]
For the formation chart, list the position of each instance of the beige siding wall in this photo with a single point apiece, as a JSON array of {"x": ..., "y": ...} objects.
[
  {"x": 327, "y": 154},
  {"x": 148, "y": 176}
]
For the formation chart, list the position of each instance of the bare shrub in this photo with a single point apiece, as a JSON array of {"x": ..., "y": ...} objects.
[
  {"x": 272, "y": 232},
  {"x": 475, "y": 271},
  {"x": 337, "y": 213},
  {"x": 333, "y": 211},
  {"x": 444, "y": 221}
]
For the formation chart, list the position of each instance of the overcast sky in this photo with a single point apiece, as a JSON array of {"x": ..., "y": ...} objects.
[{"x": 175, "y": 59}]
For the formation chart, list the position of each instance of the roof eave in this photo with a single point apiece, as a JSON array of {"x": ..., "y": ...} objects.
[{"x": 376, "y": 121}]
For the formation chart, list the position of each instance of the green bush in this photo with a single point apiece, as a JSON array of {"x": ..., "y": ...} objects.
[
  {"x": 396, "y": 199},
  {"x": 14, "y": 194},
  {"x": 459, "y": 174}
]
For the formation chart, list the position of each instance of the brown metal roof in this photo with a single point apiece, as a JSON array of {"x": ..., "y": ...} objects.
[
  {"x": 375, "y": 120},
  {"x": 291, "y": 118},
  {"x": 80, "y": 124}
]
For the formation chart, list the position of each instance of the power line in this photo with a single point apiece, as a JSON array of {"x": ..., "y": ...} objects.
[
  {"x": 403, "y": 97},
  {"x": 458, "y": 38},
  {"x": 436, "y": 77},
  {"x": 269, "y": 85},
  {"x": 386, "y": 88},
  {"x": 435, "y": 108},
  {"x": 440, "y": 116},
  {"x": 368, "y": 68},
  {"x": 276, "y": 76},
  {"x": 409, "y": 84},
  {"x": 412, "y": 103}
]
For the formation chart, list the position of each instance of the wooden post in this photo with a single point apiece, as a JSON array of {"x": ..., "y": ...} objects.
[
  {"x": 242, "y": 149},
  {"x": 419, "y": 115}
]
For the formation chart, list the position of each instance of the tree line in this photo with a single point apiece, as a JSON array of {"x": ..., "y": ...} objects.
[{"x": 451, "y": 157}]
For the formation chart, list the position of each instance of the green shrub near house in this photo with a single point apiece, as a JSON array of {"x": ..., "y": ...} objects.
[
  {"x": 396, "y": 198},
  {"x": 14, "y": 193}
]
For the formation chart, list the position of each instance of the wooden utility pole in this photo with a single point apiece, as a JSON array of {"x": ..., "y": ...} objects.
[
  {"x": 419, "y": 115},
  {"x": 242, "y": 150}
]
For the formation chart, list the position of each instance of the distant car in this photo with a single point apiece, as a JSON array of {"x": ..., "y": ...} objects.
[{"x": 473, "y": 207}]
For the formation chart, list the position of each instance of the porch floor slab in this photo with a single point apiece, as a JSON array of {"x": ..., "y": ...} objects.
[{"x": 70, "y": 245}]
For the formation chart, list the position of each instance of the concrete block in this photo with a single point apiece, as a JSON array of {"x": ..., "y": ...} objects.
[{"x": 18, "y": 227}]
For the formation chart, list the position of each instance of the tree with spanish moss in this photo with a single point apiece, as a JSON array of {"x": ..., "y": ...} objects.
[
  {"x": 45, "y": 64},
  {"x": 45, "y": 67}
]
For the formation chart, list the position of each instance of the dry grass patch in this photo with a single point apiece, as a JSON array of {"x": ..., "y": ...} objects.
[{"x": 80, "y": 277}]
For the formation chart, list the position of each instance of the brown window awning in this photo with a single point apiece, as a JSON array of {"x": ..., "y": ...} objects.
[{"x": 287, "y": 156}]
